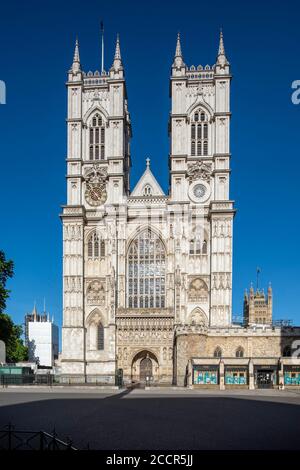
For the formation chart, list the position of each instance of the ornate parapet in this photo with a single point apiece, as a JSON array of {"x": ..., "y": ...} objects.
[
  {"x": 73, "y": 211},
  {"x": 147, "y": 200},
  {"x": 144, "y": 312},
  {"x": 222, "y": 207},
  {"x": 185, "y": 329}
]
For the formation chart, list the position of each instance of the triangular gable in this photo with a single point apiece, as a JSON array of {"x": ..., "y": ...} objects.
[{"x": 147, "y": 179}]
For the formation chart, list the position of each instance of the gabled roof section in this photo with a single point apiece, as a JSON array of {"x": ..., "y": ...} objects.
[{"x": 147, "y": 185}]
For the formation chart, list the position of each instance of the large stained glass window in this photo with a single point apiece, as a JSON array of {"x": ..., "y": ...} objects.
[{"x": 146, "y": 268}]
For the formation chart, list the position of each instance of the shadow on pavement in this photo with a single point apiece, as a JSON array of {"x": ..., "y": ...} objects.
[{"x": 161, "y": 422}]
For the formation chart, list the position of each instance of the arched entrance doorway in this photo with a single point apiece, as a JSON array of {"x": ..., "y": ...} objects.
[{"x": 145, "y": 367}]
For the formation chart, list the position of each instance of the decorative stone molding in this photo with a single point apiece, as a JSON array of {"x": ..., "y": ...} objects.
[
  {"x": 198, "y": 291},
  {"x": 199, "y": 171},
  {"x": 95, "y": 292}
]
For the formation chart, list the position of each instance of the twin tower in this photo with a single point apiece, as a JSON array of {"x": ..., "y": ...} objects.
[{"x": 140, "y": 266}]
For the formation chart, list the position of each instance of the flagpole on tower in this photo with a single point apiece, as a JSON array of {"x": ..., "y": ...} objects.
[
  {"x": 257, "y": 277},
  {"x": 102, "y": 47}
]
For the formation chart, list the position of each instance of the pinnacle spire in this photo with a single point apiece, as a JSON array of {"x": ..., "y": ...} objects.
[
  {"x": 178, "y": 59},
  {"x": 76, "y": 58},
  {"x": 76, "y": 52},
  {"x": 221, "y": 59},
  {"x": 221, "y": 44},
  {"x": 118, "y": 51},
  {"x": 34, "y": 311},
  {"x": 117, "y": 63},
  {"x": 178, "y": 52}
]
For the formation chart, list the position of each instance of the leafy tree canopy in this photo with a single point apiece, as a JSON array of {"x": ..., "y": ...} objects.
[{"x": 9, "y": 332}]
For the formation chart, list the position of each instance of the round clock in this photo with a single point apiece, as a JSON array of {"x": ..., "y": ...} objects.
[
  {"x": 95, "y": 195},
  {"x": 199, "y": 190}
]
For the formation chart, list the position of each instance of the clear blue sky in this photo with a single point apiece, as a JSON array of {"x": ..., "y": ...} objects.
[{"x": 36, "y": 49}]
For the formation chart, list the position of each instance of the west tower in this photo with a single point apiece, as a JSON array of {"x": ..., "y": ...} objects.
[
  {"x": 199, "y": 164},
  {"x": 98, "y": 162}
]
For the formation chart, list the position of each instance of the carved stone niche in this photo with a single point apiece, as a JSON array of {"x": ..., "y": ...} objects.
[
  {"x": 95, "y": 294},
  {"x": 199, "y": 171},
  {"x": 198, "y": 317},
  {"x": 198, "y": 290}
]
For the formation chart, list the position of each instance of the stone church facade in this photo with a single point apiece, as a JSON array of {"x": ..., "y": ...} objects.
[{"x": 147, "y": 276}]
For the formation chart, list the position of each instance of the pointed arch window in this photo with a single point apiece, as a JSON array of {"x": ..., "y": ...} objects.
[
  {"x": 146, "y": 272},
  {"x": 239, "y": 352},
  {"x": 97, "y": 138},
  {"x": 95, "y": 247},
  {"x": 218, "y": 352},
  {"x": 199, "y": 134},
  {"x": 147, "y": 190},
  {"x": 100, "y": 337}
]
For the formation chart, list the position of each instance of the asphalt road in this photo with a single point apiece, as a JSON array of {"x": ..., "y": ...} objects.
[{"x": 157, "y": 419}]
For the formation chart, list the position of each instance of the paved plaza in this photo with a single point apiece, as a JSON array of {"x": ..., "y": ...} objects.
[{"x": 158, "y": 419}]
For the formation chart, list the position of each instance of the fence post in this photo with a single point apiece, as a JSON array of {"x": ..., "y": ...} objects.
[
  {"x": 9, "y": 436},
  {"x": 41, "y": 440}
]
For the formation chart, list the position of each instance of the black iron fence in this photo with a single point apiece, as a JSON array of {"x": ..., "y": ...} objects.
[
  {"x": 12, "y": 439},
  {"x": 51, "y": 380},
  {"x": 27, "y": 379}
]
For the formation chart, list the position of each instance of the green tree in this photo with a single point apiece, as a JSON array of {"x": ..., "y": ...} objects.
[
  {"x": 11, "y": 335},
  {"x": 9, "y": 332},
  {"x": 6, "y": 271}
]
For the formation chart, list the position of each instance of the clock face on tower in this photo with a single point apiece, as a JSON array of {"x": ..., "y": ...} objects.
[
  {"x": 95, "y": 195},
  {"x": 199, "y": 190}
]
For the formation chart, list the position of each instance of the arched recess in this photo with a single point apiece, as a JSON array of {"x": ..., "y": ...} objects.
[
  {"x": 199, "y": 241},
  {"x": 198, "y": 317},
  {"x": 94, "y": 110},
  {"x": 200, "y": 105},
  {"x": 94, "y": 134},
  {"x": 145, "y": 364},
  {"x": 95, "y": 331},
  {"x": 198, "y": 291},
  {"x": 200, "y": 130}
]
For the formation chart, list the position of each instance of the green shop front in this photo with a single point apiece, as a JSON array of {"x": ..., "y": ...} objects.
[
  {"x": 236, "y": 375},
  {"x": 205, "y": 374},
  {"x": 291, "y": 375}
]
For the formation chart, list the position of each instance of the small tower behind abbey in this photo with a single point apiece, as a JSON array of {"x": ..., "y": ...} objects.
[{"x": 258, "y": 307}]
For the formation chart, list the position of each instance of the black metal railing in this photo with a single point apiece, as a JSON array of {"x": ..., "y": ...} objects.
[
  {"x": 26, "y": 379},
  {"x": 52, "y": 380},
  {"x": 12, "y": 439}
]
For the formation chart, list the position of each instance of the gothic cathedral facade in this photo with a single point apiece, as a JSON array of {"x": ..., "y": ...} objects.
[{"x": 147, "y": 276}]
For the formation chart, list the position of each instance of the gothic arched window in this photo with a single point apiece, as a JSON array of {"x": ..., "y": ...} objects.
[
  {"x": 239, "y": 352},
  {"x": 146, "y": 271},
  {"x": 199, "y": 134},
  {"x": 97, "y": 138},
  {"x": 147, "y": 190},
  {"x": 100, "y": 337},
  {"x": 95, "y": 247},
  {"x": 218, "y": 352}
]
